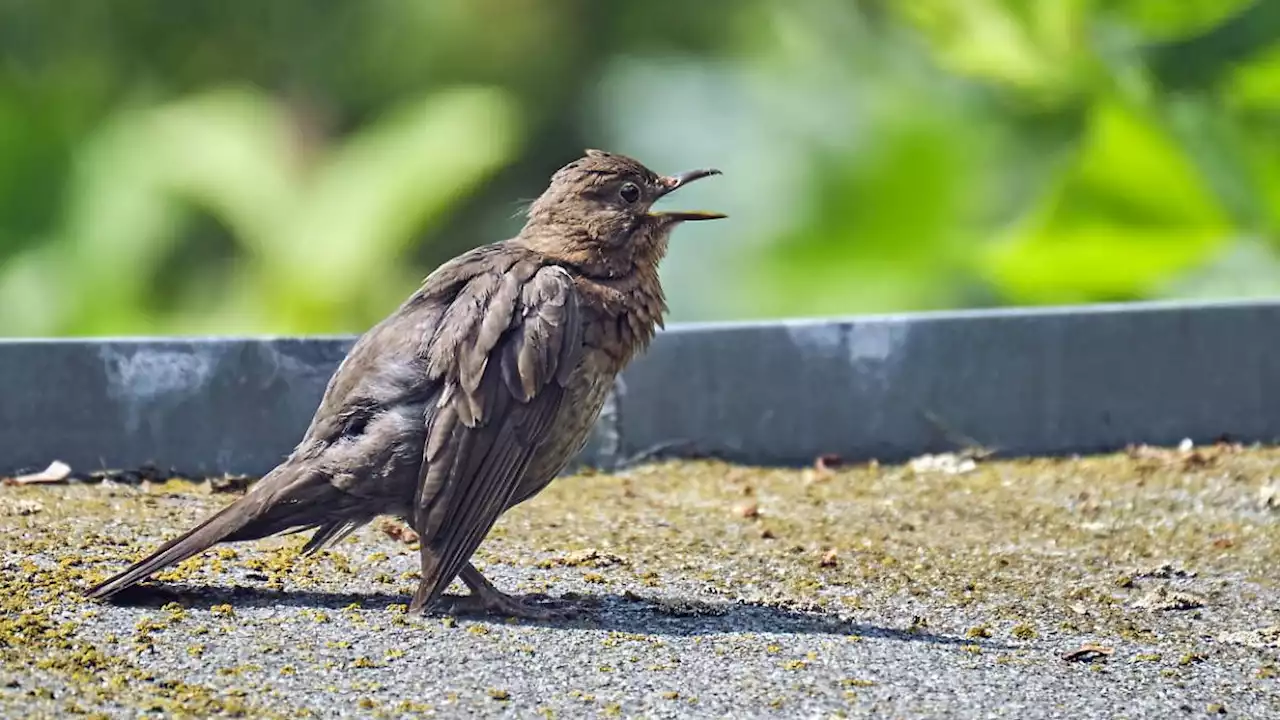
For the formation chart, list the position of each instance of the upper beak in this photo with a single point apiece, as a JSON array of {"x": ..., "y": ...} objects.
[{"x": 679, "y": 180}]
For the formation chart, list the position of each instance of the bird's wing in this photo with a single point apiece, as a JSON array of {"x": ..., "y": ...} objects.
[{"x": 504, "y": 351}]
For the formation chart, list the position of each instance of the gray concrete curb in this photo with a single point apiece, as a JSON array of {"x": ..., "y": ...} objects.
[{"x": 1043, "y": 381}]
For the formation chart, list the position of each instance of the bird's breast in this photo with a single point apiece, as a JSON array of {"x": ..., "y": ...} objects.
[
  {"x": 585, "y": 394},
  {"x": 621, "y": 317}
]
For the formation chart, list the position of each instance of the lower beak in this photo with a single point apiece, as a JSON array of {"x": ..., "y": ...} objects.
[
  {"x": 672, "y": 182},
  {"x": 681, "y": 215}
]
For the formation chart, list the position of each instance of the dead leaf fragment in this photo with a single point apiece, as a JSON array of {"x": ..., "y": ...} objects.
[
  {"x": 399, "y": 531},
  {"x": 1186, "y": 454},
  {"x": 1088, "y": 651},
  {"x": 57, "y": 472},
  {"x": 828, "y": 462}
]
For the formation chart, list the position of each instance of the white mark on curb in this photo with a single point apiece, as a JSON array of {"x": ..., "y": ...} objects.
[
  {"x": 145, "y": 378},
  {"x": 873, "y": 349},
  {"x": 825, "y": 340}
]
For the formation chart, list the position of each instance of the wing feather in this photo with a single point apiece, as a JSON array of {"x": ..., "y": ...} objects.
[{"x": 504, "y": 352}]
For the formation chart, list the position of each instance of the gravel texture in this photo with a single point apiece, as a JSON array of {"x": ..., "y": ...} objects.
[{"x": 1143, "y": 584}]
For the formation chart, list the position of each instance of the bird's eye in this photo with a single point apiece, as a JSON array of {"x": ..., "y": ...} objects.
[{"x": 629, "y": 192}]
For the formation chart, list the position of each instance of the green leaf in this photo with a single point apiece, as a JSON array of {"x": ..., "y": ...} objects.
[
  {"x": 1033, "y": 46},
  {"x": 1264, "y": 162},
  {"x": 1130, "y": 211},
  {"x": 361, "y": 208},
  {"x": 884, "y": 228},
  {"x": 1255, "y": 85},
  {"x": 1174, "y": 19},
  {"x": 1104, "y": 262},
  {"x": 320, "y": 228}
]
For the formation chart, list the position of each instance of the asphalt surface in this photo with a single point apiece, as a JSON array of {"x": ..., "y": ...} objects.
[{"x": 1140, "y": 585}]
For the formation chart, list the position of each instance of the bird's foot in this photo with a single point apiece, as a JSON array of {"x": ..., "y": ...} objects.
[
  {"x": 485, "y": 597},
  {"x": 494, "y": 602}
]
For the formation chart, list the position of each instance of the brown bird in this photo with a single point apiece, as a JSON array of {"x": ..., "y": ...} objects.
[{"x": 477, "y": 391}]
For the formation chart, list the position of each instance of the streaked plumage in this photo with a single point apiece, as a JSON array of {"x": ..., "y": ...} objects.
[{"x": 477, "y": 391}]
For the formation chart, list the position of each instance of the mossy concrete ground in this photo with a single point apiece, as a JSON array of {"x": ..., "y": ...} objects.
[{"x": 1140, "y": 584}]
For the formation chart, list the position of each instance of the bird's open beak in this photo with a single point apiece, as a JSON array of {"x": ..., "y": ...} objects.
[{"x": 671, "y": 182}]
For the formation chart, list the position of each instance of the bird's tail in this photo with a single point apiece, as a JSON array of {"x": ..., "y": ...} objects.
[{"x": 278, "y": 502}]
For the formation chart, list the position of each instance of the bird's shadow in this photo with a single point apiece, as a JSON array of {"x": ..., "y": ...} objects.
[{"x": 627, "y": 612}]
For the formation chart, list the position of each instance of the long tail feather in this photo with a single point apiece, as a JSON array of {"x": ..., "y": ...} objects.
[
  {"x": 286, "y": 499},
  {"x": 229, "y": 520}
]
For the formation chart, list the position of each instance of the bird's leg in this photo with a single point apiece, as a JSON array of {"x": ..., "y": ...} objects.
[{"x": 486, "y": 598}]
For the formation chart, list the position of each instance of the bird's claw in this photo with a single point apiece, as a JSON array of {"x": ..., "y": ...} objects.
[{"x": 504, "y": 605}]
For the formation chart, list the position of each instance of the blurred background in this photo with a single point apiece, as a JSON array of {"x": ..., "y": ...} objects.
[{"x": 297, "y": 166}]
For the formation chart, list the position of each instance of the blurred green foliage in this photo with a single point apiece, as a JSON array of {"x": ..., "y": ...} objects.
[{"x": 299, "y": 165}]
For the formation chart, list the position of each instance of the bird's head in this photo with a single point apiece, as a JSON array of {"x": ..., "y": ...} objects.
[{"x": 601, "y": 205}]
